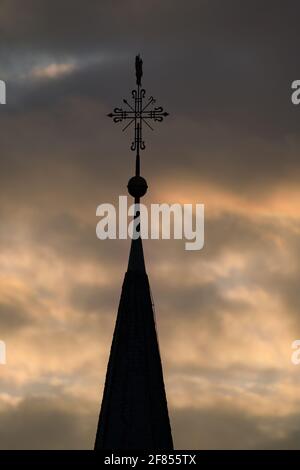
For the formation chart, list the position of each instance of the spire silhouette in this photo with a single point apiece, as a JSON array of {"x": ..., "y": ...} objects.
[{"x": 134, "y": 412}]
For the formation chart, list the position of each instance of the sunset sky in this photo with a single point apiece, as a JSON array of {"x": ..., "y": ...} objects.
[{"x": 227, "y": 314}]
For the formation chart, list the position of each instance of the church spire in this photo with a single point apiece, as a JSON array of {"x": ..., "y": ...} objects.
[{"x": 134, "y": 412}]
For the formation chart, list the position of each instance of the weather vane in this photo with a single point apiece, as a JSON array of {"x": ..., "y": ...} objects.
[{"x": 138, "y": 113}]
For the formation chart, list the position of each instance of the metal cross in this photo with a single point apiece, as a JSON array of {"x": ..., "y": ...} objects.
[{"x": 138, "y": 113}]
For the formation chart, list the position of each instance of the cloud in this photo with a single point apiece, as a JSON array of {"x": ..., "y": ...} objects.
[
  {"x": 12, "y": 317},
  {"x": 227, "y": 429},
  {"x": 52, "y": 71},
  {"x": 226, "y": 315},
  {"x": 38, "y": 423}
]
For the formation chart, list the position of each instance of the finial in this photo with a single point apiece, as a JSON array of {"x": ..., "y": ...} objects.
[
  {"x": 137, "y": 187},
  {"x": 138, "y": 69},
  {"x": 138, "y": 113}
]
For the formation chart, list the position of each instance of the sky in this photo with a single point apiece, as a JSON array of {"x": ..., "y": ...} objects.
[{"x": 227, "y": 314}]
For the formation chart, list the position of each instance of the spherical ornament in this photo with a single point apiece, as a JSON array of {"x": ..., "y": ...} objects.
[{"x": 137, "y": 186}]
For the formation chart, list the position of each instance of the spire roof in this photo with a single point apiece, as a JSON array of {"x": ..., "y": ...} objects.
[{"x": 134, "y": 413}]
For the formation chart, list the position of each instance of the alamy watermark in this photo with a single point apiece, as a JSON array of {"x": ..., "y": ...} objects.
[
  {"x": 295, "y": 358},
  {"x": 295, "y": 97},
  {"x": 163, "y": 221},
  {"x": 2, "y": 353},
  {"x": 2, "y": 92}
]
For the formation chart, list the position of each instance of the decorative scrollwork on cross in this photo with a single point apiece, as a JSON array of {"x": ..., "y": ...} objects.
[{"x": 138, "y": 113}]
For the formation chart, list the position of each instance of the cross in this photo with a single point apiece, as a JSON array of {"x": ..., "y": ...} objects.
[{"x": 138, "y": 113}]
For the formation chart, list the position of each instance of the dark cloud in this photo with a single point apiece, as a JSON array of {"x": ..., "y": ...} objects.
[
  {"x": 230, "y": 429},
  {"x": 94, "y": 298},
  {"x": 13, "y": 317},
  {"x": 226, "y": 77},
  {"x": 39, "y": 423}
]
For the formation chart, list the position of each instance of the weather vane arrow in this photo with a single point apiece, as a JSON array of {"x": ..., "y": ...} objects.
[{"x": 138, "y": 113}]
